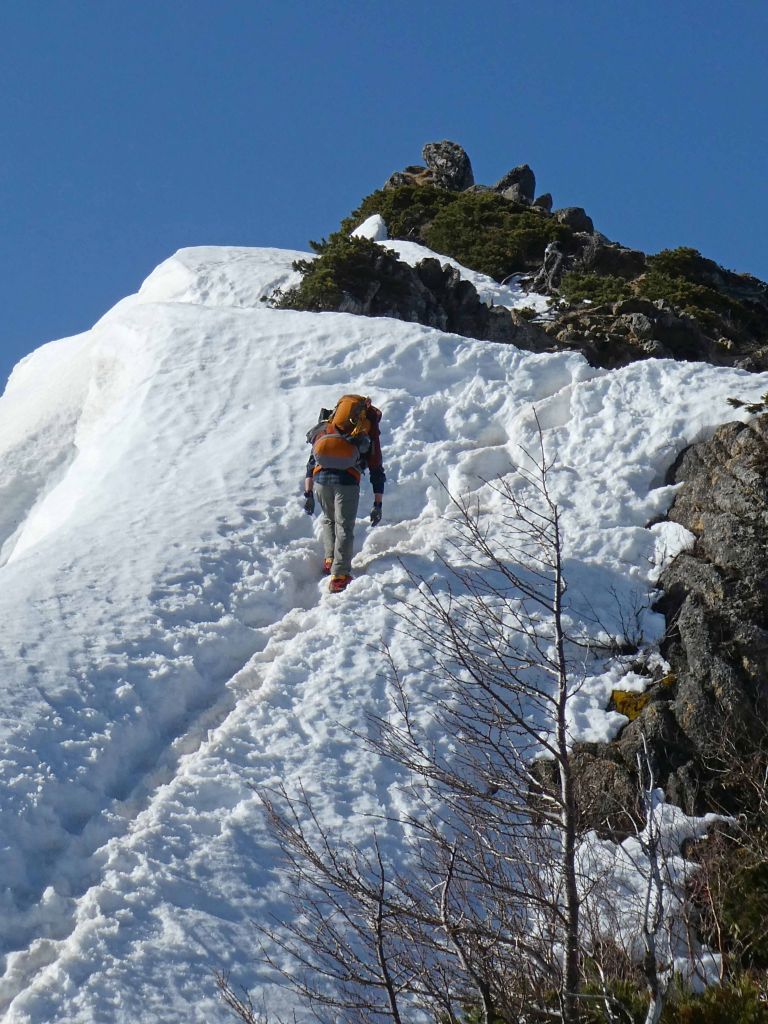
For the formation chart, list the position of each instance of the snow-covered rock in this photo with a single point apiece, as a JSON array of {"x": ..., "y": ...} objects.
[
  {"x": 510, "y": 294},
  {"x": 168, "y": 643},
  {"x": 374, "y": 228}
]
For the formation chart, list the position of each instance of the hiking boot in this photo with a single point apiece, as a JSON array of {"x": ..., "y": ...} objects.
[
  {"x": 327, "y": 563},
  {"x": 339, "y": 583}
]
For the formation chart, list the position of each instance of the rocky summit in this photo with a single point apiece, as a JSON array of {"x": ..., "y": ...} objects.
[{"x": 613, "y": 303}]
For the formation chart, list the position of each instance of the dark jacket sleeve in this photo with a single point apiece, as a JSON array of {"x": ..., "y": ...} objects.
[
  {"x": 374, "y": 458},
  {"x": 378, "y": 477}
]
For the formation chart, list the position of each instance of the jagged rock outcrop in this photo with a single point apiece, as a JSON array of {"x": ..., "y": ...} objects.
[
  {"x": 711, "y": 711},
  {"x": 449, "y": 164},
  {"x": 615, "y": 334},
  {"x": 435, "y": 295},
  {"x": 619, "y": 333},
  {"x": 413, "y": 175},
  {"x": 740, "y": 287},
  {"x": 610, "y": 302},
  {"x": 576, "y": 218},
  {"x": 600, "y": 256},
  {"x": 716, "y": 605},
  {"x": 518, "y": 185},
  {"x": 587, "y": 252}
]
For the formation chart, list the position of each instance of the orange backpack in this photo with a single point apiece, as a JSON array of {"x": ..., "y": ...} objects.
[
  {"x": 350, "y": 415},
  {"x": 332, "y": 439}
]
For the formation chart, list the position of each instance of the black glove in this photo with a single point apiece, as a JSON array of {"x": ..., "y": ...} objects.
[
  {"x": 309, "y": 503},
  {"x": 376, "y": 513}
]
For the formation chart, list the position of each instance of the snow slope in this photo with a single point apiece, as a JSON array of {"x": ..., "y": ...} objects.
[{"x": 168, "y": 644}]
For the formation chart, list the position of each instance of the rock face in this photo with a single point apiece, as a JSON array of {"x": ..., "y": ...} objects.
[
  {"x": 587, "y": 252},
  {"x": 742, "y": 287},
  {"x": 609, "y": 258},
  {"x": 575, "y": 218},
  {"x": 716, "y": 605},
  {"x": 437, "y": 296},
  {"x": 449, "y": 164},
  {"x": 711, "y": 711},
  {"x": 618, "y": 333}
]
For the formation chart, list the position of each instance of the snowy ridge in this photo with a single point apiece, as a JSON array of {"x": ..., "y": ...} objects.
[
  {"x": 216, "y": 276},
  {"x": 168, "y": 643}
]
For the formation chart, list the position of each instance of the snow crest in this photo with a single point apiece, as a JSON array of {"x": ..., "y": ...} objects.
[{"x": 168, "y": 643}]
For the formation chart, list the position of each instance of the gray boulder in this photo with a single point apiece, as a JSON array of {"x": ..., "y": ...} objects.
[
  {"x": 544, "y": 202},
  {"x": 521, "y": 180},
  {"x": 606, "y": 792},
  {"x": 575, "y": 218},
  {"x": 449, "y": 164},
  {"x": 516, "y": 194},
  {"x": 608, "y": 258}
]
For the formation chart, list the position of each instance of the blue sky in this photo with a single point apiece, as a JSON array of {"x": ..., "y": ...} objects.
[{"x": 130, "y": 128}]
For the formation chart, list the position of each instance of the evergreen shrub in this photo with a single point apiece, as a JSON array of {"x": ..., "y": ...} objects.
[
  {"x": 577, "y": 286},
  {"x": 406, "y": 209},
  {"x": 696, "y": 299},
  {"x": 481, "y": 230},
  {"x": 681, "y": 262},
  {"x": 343, "y": 264},
  {"x": 489, "y": 234},
  {"x": 683, "y": 277}
]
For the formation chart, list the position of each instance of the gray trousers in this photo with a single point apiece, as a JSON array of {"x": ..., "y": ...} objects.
[{"x": 339, "y": 504}]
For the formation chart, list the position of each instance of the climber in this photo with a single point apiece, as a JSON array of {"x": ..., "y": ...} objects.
[{"x": 344, "y": 444}]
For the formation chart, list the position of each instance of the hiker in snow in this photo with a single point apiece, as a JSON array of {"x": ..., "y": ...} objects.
[{"x": 344, "y": 444}]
